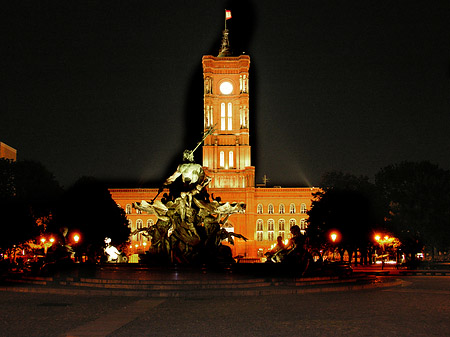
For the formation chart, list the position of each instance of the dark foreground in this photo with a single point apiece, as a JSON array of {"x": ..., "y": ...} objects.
[{"x": 419, "y": 307}]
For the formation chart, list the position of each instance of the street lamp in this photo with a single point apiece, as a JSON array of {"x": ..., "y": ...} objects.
[
  {"x": 76, "y": 238},
  {"x": 333, "y": 237},
  {"x": 45, "y": 244},
  {"x": 383, "y": 243}
]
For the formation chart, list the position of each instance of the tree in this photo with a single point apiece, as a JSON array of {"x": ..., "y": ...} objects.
[
  {"x": 418, "y": 195},
  {"x": 27, "y": 194},
  {"x": 88, "y": 208},
  {"x": 349, "y": 205},
  {"x": 6, "y": 179},
  {"x": 17, "y": 223},
  {"x": 36, "y": 186}
]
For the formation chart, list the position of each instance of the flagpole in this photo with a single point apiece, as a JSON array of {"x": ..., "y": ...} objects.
[{"x": 225, "y": 19}]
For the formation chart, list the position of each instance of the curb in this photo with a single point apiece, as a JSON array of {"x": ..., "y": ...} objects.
[
  {"x": 401, "y": 273},
  {"x": 196, "y": 289}
]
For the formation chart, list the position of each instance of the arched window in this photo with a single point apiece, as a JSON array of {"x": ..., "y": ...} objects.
[
  {"x": 281, "y": 209},
  {"x": 139, "y": 225},
  {"x": 281, "y": 225},
  {"x": 270, "y": 209},
  {"x": 303, "y": 208},
  {"x": 259, "y": 225},
  {"x": 270, "y": 225},
  {"x": 222, "y": 116},
  {"x": 303, "y": 224},
  {"x": 222, "y": 159},
  {"x": 150, "y": 223},
  {"x": 128, "y": 209},
  {"x": 211, "y": 116},
  {"x": 292, "y": 208},
  {"x": 230, "y": 116},
  {"x": 259, "y": 209},
  {"x": 292, "y": 222},
  {"x": 259, "y": 230},
  {"x": 230, "y": 159}
]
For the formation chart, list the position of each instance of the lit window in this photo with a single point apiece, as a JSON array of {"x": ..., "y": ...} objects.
[
  {"x": 230, "y": 116},
  {"x": 207, "y": 117},
  {"x": 230, "y": 159},
  {"x": 259, "y": 209},
  {"x": 281, "y": 234},
  {"x": 150, "y": 223},
  {"x": 303, "y": 208},
  {"x": 281, "y": 208},
  {"x": 281, "y": 225},
  {"x": 259, "y": 225},
  {"x": 292, "y": 208},
  {"x": 128, "y": 209},
  {"x": 303, "y": 224},
  {"x": 259, "y": 230},
  {"x": 270, "y": 225},
  {"x": 139, "y": 225},
  {"x": 292, "y": 222},
  {"x": 222, "y": 159},
  {"x": 211, "y": 122},
  {"x": 270, "y": 209},
  {"x": 222, "y": 116},
  {"x": 270, "y": 236}
]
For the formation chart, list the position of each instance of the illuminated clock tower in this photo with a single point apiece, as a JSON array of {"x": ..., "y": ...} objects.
[
  {"x": 226, "y": 152},
  {"x": 270, "y": 211}
]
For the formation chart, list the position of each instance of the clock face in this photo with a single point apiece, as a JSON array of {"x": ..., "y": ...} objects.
[{"x": 226, "y": 88}]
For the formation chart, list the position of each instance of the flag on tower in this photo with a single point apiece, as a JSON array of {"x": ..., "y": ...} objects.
[{"x": 227, "y": 14}]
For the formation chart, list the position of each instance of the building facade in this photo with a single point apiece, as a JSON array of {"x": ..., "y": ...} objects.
[
  {"x": 7, "y": 152},
  {"x": 270, "y": 212}
]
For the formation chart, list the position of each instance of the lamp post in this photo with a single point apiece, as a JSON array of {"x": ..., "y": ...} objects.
[
  {"x": 334, "y": 236},
  {"x": 382, "y": 241},
  {"x": 43, "y": 244},
  {"x": 76, "y": 238}
]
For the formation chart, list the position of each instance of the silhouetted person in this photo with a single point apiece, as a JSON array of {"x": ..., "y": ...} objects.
[{"x": 272, "y": 255}]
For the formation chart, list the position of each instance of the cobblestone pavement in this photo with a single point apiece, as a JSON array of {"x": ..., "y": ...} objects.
[{"x": 420, "y": 307}]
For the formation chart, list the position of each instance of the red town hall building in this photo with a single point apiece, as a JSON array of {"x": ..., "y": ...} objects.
[{"x": 270, "y": 212}]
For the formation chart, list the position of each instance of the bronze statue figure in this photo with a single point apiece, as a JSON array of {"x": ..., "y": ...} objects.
[{"x": 190, "y": 227}]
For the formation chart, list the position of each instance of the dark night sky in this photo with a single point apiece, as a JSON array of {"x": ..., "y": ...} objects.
[{"x": 113, "y": 89}]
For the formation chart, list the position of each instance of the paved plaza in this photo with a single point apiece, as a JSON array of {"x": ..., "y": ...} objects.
[{"x": 419, "y": 306}]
